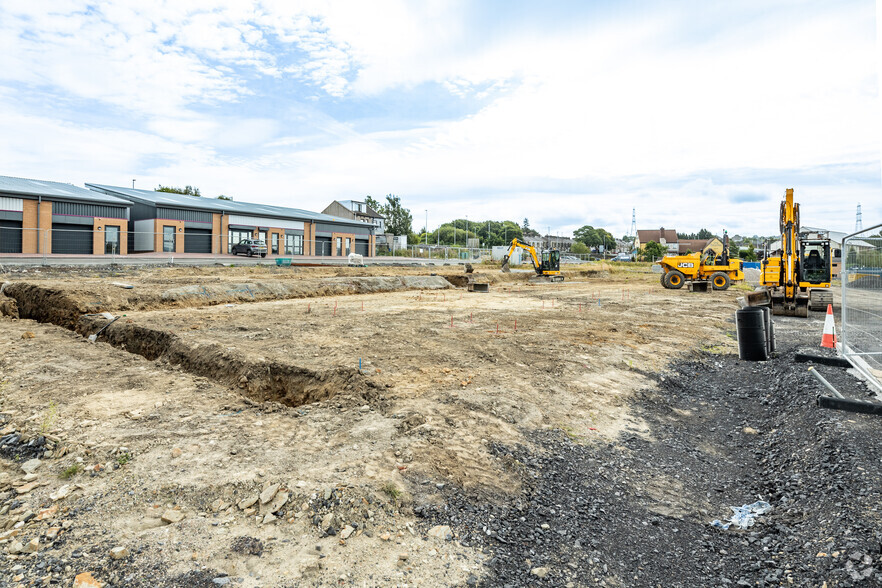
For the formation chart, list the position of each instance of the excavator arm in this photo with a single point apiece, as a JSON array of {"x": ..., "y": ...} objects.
[{"x": 515, "y": 244}]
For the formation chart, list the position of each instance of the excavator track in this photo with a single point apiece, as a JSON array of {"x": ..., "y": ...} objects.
[{"x": 819, "y": 298}]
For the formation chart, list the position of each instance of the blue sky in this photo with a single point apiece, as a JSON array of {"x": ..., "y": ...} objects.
[{"x": 697, "y": 114}]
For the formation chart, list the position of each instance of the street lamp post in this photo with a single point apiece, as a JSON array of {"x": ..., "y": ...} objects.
[{"x": 427, "y": 226}]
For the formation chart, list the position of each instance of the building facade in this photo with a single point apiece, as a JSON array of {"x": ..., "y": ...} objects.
[
  {"x": 44, "y": 217},
  {"x": 168, "y": 222}
]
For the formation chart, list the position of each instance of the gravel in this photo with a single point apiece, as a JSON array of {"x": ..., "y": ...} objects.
[{"x": 721, "y": 432}]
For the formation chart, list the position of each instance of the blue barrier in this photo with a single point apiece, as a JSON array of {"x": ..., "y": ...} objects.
[{"x": 751, "y": 265}]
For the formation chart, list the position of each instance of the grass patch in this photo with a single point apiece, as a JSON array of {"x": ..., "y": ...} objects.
[
  {"x": 49, "y": 418},
  {"x": 71, "y": 472},
  {"x": 123, "y": 459},
  {"x": 392, "y": 491}
]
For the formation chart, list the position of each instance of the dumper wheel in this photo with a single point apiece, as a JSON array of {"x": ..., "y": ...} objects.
[
  {"x": 720, "y": 281},
  {"x": 664, "y": 280},
  {"x": 676, "y": 279}
]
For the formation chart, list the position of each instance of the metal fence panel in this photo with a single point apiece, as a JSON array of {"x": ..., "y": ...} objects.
[{"x": 861, "y": 336}]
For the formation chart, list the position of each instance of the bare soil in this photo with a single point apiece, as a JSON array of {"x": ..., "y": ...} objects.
[{"x": 360, "y": 410}]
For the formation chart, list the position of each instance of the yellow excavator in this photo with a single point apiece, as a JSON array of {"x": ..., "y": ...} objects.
[
  {"x": 546, "y": 263},
  {"x": 711, "y": 264},
  {"x": 798, "y": 278}
]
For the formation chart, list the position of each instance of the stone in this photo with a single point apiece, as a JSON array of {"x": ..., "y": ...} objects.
[
  {"x": 750, "y": 431},
  {"x": 27, "y": 487},
  {"x": 32, "y": 546},
  {"x": 221, "y": 581},
  {"x": 85, "y": 580},
  {"x": 52, "y": 533},
  {"x": 385, "y": 536},
  {"x": 119, "y": 553},
  {"x": 327, "y": 521},
  {"x": 171, "y": 517},
  {"x": 269, "y": 493},
  {"x": 442, "y": 532},
  {"x": 278, "y": 502},
  {"x": 539, "y": 572},
  {"x": 31, "y": 465},
  {"x": 346, "y": 532},
  {"x": 47, "y": 513},
  {"x": 269, "y": 518},
  {"x": 15, "y": 547},
  {"x": 62, "y": 492},
  {"x": 29, "y": 477},
  {"x": 248, "y": 502},
  {"x": 176, "y": 452}
]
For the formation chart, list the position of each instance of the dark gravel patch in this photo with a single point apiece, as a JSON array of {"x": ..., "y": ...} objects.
[{"x": 721, "y": 432}]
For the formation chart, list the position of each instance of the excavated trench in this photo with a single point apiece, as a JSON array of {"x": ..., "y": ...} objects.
[{"x": 259, "y": 380}]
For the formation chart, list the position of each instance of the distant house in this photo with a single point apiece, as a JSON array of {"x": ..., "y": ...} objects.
[
  {"x": 665, "y": 237},
  {"x": 563, "y": 244},
  {"x": 685, "y": 246},
  {"x": 357, "y": 210}
]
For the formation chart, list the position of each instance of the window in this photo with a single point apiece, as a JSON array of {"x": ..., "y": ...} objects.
[
  {"x": 168, "y": 239},
  {"x": 275, "y": 250},
  {"x": 111, "y": 240},
  {"x": 293, "y": 244},
  {"x": 339, "y": 246},
  {"x": 237, "y": 236}
]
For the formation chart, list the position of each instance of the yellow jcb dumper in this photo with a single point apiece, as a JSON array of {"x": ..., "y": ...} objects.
[
  {"x": 798, "y": 278},
  {"x": 711, "y": 264}
]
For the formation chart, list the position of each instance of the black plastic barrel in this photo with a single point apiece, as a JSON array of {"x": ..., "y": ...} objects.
[
  {"x": 770, "y": 330},
  {"x": 750, "y": 324}
]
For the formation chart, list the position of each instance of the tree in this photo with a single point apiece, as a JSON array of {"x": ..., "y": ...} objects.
[
  {"x": 222, "y": 197},
  {"x": 372, "y": 203},
  {"x": 588, "y": 235},
  {"x": 705, "y": 234},
  {"x": 188, "y": 190},
  {"x": 652, "y": 251},
  {"x": 398, "y": 219},
  {"x": 526, "y": 224},
  {"x": 747, "y": 254},
  {"x": 579, "y": 248}
]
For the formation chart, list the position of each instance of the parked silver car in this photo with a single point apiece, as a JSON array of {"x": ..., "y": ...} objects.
[{"x": 249, "y": 247}]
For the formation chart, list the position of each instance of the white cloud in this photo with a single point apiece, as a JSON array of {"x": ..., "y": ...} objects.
[{"x": 639, "y": 104}]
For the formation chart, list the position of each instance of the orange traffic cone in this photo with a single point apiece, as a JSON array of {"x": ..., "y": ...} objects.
[{"x": 829, "y": 337}]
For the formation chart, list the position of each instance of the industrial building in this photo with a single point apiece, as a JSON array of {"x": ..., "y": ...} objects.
[
  {"x": 168, "y": 222},
  {"x": 43, "y": 217}
]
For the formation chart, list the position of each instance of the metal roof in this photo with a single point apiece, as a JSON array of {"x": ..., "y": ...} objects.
[
  {"x": 171, "y": 200},
  {"x": 55, "y": 191}
]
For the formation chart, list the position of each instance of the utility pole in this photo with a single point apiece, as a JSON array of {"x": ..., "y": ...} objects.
[
  {"x": 133, "y": 186},
  {"x": 427, "y": 226}
]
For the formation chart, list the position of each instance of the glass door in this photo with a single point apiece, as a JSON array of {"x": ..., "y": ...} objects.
[
  {"x": 111, "y": 240},
  {"x": 168, "y": 239},
  {"x": 275, "y": 250}
]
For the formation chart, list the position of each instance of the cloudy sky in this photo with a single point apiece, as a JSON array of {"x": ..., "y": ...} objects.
[{"x": 697, "y": 114}]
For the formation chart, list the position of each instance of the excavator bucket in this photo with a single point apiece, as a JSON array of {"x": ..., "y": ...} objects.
[
  {"x": 505, "y": 267},
  {"x": 759, "y": 298}
]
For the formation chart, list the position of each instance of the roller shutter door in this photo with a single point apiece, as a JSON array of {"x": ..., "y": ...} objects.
[
  {"x": 72, "y": 239},
  {"x": 361, "y": 247},
  {"x": 323, "y": 246},
  {"x": 197, "y": 240},
  {"x": 10, "y": 236}
]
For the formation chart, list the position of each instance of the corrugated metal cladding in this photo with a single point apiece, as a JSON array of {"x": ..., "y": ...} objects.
[
  {"x": 80, "y": 209},
  {"x": 181, "y": 214},
  {"x": 349, "y": 229},
  {"x": 13, "y": 204}
]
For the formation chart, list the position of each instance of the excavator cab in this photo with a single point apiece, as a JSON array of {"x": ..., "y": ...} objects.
[
  {"x": 550, "y": 261},
  {"x": 814, "y": 262}
]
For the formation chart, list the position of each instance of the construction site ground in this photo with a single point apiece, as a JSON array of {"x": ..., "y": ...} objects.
[{"x": 387, "y": 427}]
